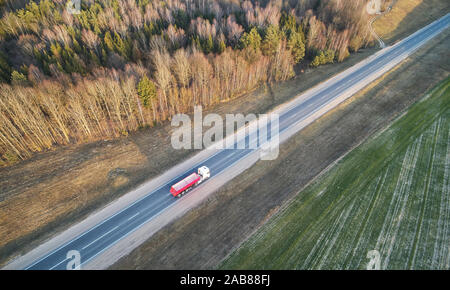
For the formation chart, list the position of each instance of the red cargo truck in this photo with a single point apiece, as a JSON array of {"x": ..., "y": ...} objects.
[{"x": 183, "y": 186}]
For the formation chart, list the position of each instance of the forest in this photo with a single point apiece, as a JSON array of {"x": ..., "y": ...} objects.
[{"x": 113, "y": 66}]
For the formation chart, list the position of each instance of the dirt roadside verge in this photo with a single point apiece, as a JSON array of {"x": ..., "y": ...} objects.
[
  {"x": 43, "y": 196},
  {"x": 207, "y": 234},
  {"x": 46, "y": 194},
  {"x": 408, "y": 16}
]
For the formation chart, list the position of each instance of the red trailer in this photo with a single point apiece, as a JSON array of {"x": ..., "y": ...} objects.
[{"x": 186, "y": 184}]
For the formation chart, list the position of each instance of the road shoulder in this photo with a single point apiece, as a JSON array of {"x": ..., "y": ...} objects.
[{"x": 205, "y": 235}]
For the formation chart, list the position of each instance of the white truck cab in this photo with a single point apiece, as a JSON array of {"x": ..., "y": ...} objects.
[{"x": 204, "y": 172}]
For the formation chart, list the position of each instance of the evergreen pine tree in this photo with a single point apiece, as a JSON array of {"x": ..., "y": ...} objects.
[
  {"x": 109, "y": 43},
  {"x": 209, "y": 45},
  {"x": 296, "y": 45},
  {"x": 251, "y": 39},
  {"x": 18, "y": 78},
  {"x": 271, "y": 40},
  {"x": 146, "y": 91},
  {"x": 221, "y": 46}
]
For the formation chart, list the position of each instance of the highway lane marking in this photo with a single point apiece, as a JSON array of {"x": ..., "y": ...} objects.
[
  {"x": 100, "y": 237},
  {"x": 134, "y": 216},
  {"x": 378, "y": 60},
  {"x": 58, "y": 264},
  {"x": 152, "y": 207},
  {"x": 109, "y": 218},
  {"x": 376, "y": 57},
  {"x": 339, "y": 87},
  {"x": 166, "y": 204},
  {"x": 342, "y": 86},
  {"x": 342, "y": 83}
]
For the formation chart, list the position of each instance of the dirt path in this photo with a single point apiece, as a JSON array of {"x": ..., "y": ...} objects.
[
  {"x": 407, "y": 16},
  {"x": 375, "y": 18},
  {"x": 206, "y": 235},
  {"x": 46, "y": 194}
]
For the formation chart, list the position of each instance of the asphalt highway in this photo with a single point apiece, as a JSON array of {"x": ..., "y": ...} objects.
[{"x": 105, "y": 234}]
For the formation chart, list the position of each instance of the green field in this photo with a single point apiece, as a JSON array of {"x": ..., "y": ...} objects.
[{"x": 391, "y": 194}]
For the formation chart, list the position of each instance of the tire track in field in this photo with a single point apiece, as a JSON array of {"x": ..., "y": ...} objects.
[
  {"x": 441, "y": 255},
  {"x": 429, "y": 232},
  {"x": 386, "y": 239},
  {"x": 322, "y": 248},
  {"x": 358, "y": 241},
  {"x": 417, "y": 232},
  {"x": 320, "y": 252},
  {"x": 341, "y": 202},
  {"x": 330, "y": 244}
]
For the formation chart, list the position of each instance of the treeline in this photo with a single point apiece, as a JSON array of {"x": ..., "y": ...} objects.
[{"x": 120, "y": 65}]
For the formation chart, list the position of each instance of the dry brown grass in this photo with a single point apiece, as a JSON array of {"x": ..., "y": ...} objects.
[
  {"x": 51, "y": 200},
  {"x": 408, "y": 16},
  {"x": 55, "y": 189},
  {"x": 206, "y": 235}
]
